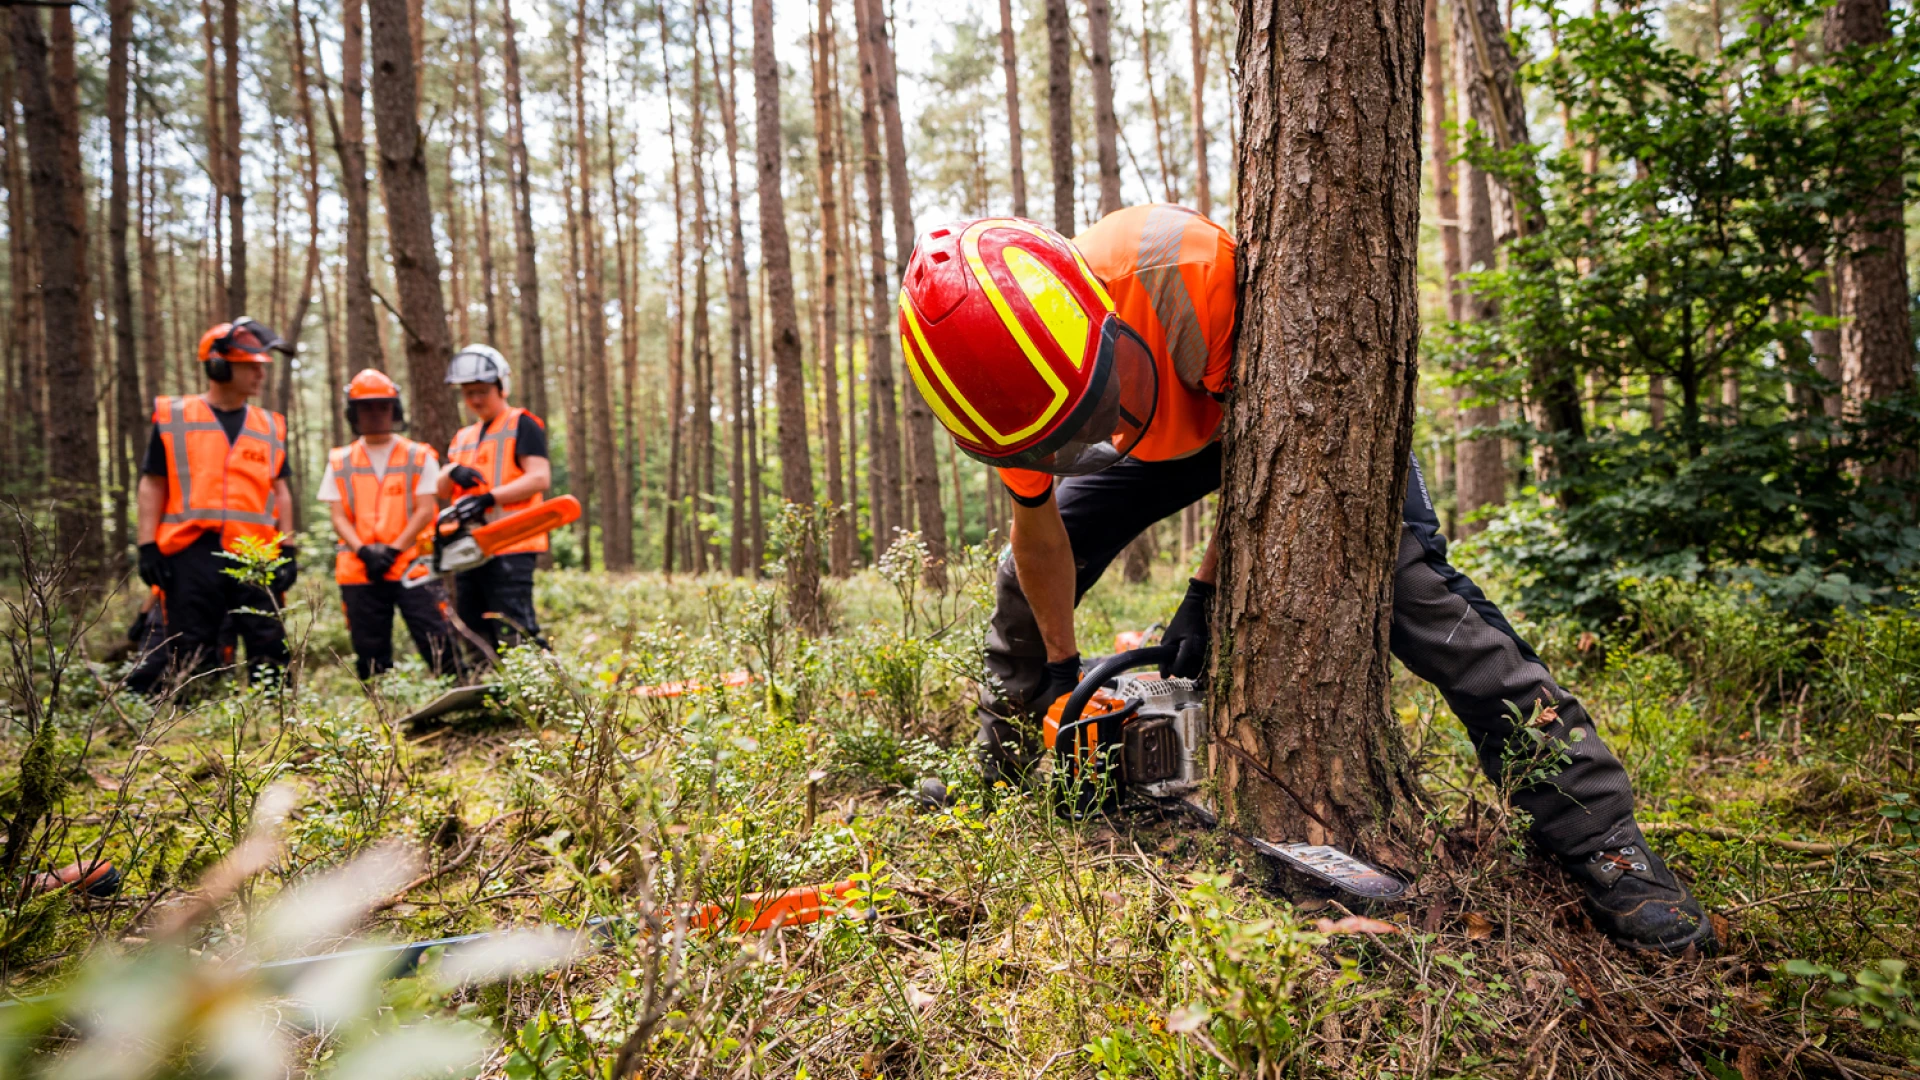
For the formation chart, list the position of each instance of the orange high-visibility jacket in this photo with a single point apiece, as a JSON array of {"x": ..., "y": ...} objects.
[
  {"x": 490, "y": 449},
  {"x": 1170, "y": 273},
  {"x": 378, "y": 505},
  {"x": 214, "y": 485}
]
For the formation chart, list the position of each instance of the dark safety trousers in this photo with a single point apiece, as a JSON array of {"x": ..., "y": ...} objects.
[
  {"x": 203, "y": 599},
  {"x": 1445, "y": 630},
  {"x": 370, "y": 610},
  {"x": 495, "y": 600}
]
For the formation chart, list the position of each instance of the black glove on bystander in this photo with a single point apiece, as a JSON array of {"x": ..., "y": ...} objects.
[
  {"x": 288, "y": 571},
  {"x": 378, "y": 559},
  {"x": 473, "y": 507},
  {"x": 465, "y": 476},
  {"x": 154, "y": 569},
  {"x": 1188, "y": 632}
]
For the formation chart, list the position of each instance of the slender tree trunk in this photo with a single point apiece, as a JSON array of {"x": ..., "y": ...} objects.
[
  {"x": 153, "y": 340},
  {"x": 1016, "y": 149},
  {"x": 1480, "y": 467},
  {"x": 130, "y": 427},
  {"x": 855, "y": 331},
  {"x": 884, "y": 419},
  {"x": 416, "y": 264},
  {"x": 1870, "y": 291},
  {"x": 627, "y": 476},
  {"x": 1106, "y": 128},
  {"x": 796, "y": 468},
  {"x": 616, "y": 527},
  {"x": 477, "y": 150},
  {"x": 216, "y": 158},
  {"x": 1329, "y": 210},
  {"x": 1197, "y": 51},
  {"x": 236, "y": 193},
  {"x": 1060, "y": 114},
  {"x": 700, "y": 457},
  {"x": 48, "y": 85},
  {"x": 350, "y": 144},
  {"x": 573, "y": 386},
  {"x": 676, "y": 330},
  {"x": 462, "y": 324},
  {"x": 30, "y": 390},
  {"x": 743, "y": 549},
  {"x": 1169, "y": 189},
  {"x": 825, "y": 124},
  {"x": 1826, "y": 340},
  {"x": 526, "y": 254},
  {"x": 922, "y": 453}
]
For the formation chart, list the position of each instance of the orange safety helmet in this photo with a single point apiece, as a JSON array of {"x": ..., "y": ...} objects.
[
  {"x": 369, "y": 386},
  {"x": 242, "y": 341},
  {"x": 1015, "y": 345}
]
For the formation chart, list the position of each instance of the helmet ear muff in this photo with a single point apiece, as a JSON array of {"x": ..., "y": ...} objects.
[{"x": 218, "y": 368}]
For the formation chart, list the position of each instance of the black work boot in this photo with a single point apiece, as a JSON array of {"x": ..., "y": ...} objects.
[{"x": 1636, "y": 901}]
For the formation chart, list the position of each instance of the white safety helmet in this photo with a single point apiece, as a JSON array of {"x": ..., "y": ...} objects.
[{"x": 478, "y": 363}]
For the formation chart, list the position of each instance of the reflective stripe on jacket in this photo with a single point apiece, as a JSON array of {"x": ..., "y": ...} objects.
[
  {"x": 491, "y": 450},
  {"x": 377, "y": 504},
  {"x": 214, "y": 485}
]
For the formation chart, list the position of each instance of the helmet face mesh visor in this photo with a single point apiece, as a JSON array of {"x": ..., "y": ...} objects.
[
  {"x": 1110, "y": 420},
  {"x": 472, "y": 366}
]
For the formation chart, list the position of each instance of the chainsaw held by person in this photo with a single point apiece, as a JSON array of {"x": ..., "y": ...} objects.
[{"x": 1093, "y": 373}]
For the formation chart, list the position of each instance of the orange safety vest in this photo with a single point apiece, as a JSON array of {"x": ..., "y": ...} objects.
[
  {"x": 378, "y": 504},
  {"x": 214, "y": 485},
  {"x": 490, "y": 449}
]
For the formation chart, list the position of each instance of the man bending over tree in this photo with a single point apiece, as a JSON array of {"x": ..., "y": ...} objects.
[{"x": 1092, "y": 374}]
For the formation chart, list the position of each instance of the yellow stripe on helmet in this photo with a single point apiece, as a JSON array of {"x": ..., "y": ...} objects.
[{"x": 952, "y": 422}]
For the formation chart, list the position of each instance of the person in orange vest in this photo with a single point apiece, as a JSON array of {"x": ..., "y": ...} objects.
[
  {"x": 1093, "y": 373},
  {"x": 380, "y": 490},
  {"x": 215, "y": 472},
  {"x": 496, "y": 466}
]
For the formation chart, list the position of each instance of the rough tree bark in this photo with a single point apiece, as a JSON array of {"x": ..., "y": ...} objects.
[
  {"x": 1016, "y": 149},
  {"x": 700, "y": 431},
  {"x": 416, "y": 264},
  {"x": 922, "y": 452},
  {"x": 825, "y": 123},
  {"x": 48, "y": 85},
  {"x": 796, "y": 467},
  {"x": 153, "y": 338},
  {"x": 1106, "y": 127},
  {"x": 741, "y": 556},
  {"x": 526, "y": 280},
  {"x": 477, "y": 150},
  {"x": 1197, "y": 46},
  {"x": 350, "y": 143},
  {"x": 1060, "y": 114},
  {"x": 1480, "y": 466},
  {"x": 130, "y": 416},
  {"x": 884, "y": 425},
  {"x": 1870, "y": 293},
  {"x": 1319, "y": 434}
]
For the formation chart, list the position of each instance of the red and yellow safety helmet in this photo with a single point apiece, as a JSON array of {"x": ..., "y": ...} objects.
[{"x": 1014, "y": 344}]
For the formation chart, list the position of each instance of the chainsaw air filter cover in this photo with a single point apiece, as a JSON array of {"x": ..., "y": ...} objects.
[{"x": 1161, "y": 740}]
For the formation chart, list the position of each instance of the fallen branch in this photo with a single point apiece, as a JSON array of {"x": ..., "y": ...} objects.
[
  {"x": 445, "y": 868},
  {"x": 1719, "y": 832}
]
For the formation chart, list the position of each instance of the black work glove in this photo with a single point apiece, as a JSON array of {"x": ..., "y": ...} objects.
[
  {"x": 288, "y": 572},
  {"x": 1062, "y": 677},
  {"x": 465, "y": 476},
  {"x": 473, "y": 507},
  {"x": 1188, "y": 632},
  {"x": 154, "y": 568},
  {"x": 378, "y": 559}
]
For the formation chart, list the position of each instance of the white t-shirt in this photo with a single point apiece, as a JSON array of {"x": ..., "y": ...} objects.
[{"x": 380, "y": 457}]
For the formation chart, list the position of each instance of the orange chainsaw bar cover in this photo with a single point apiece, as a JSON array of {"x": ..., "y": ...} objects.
[
  {"x": 528, "y": 523},
  {"x": 804, "y": 904}
]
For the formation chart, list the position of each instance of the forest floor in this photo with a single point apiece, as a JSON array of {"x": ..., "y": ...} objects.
[{"x": 1002, "y": 941}]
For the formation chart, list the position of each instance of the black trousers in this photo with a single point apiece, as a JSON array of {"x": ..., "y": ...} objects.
[
  {"x": 203, "y": 601},
  {"x": 370, "y": 611},
  {"x": 1444, "y": 630},
  {"x": 495, "y": 600}
]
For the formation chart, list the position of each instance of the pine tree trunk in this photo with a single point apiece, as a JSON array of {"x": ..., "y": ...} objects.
[
  {"x": 1870, "y": 290},
  {"x": 350, "y": 143},
  {"x": 1016, "y": 149},
  {"x": 796, "y": 467},
  {"x": 825, "y": 124},
  {"x": 1319, "y": 436},
  {"x": 884, "y": 418},
  {"x": 1197, "y": 51},
  {"x": 1106, "y": 128},
  {"x": 152, "y": 336},
  {"x": 30, "y": 389},
  {"x": 676, "y": 330},
  {"x": 1060, "y": 114},
  {"x": 236, "y": 193},
  {"x": 130, "y": 416},
  {"x": 700, "y": 455},
  {"x": 526, "y": 279},
  {"x": 572, "y": 385},
  {"x": 477, "y": 150},
  {"x": 616, "y": 527},
  {"x": 48, "y": 85},
  {"x": 922, "y": 453},
  {"x": 1480, "y": 465},
  {"x": 416, "y": 264},
  {"x": 1169, "y": 190},
  {"x": 627, "y": 475}
]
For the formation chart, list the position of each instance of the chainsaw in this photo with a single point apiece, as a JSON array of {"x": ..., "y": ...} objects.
[
  {"x": 1121, "y": 733},
  {"x": 459, "y": 546}
]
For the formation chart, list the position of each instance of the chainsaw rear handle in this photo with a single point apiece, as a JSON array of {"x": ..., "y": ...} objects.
[{"x": 1067, "y": 735}]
